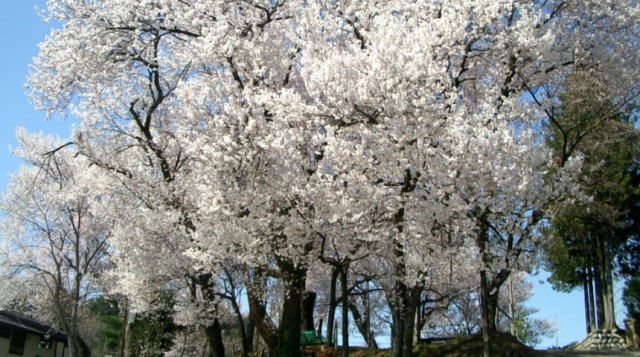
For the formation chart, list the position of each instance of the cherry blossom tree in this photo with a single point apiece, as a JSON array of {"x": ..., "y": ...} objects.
[
  {"x": 246, "y": 131},
  {"x": 55, "y": 235},
  {"x": 460, "y": 315}
]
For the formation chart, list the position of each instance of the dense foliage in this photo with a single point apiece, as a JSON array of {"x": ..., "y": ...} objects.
[
  {"x": 631, "y": 298},
  {"x": 254, "y": 147},
  {"x": 593, "y": 241}
]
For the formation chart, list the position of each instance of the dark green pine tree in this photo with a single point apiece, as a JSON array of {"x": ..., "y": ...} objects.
[
  {"x": 631, "y": 297},
  {"x": 590, "y": 242},
  {"x": 109, "y": 314}
]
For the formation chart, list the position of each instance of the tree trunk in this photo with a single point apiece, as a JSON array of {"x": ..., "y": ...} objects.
[
  {"x": 213, "y": 333},
  {"x": 403, "y": 310},
  {"x": 486, "y": 319},
  {"x": 609, "y": 312},
  {"x": 417, "y": 320},
  {"x": 287, "y": 342},
  {"x": 283, "y": 340},
  {"x": 319, "y": 330},
  {"x": 396, "y": 331},
  {"x": 308, "y": 303},
  {"x": 599, "y": 284},
  {"x": 423, "y": 313},
  {"x": 251, "y": 332},
  {"x": 263, "y": 324},
  {"x": 332, "y": 306},
  {"x": 128, "y": 333},
  {"x": 77, "y": 346},
  {"x": 371, "y": 340},
  {"x": 124, "y": 331},
  {"x": 599, "y": 295},
  {"x": 589, "y": 303},
  {"x": 587, "y": 308},
  {"x": 246, "y": 348},
  {"x": 363, "y": 323},
  {"x": 345, "y": 310},
  {"x": 592, "y": 303},
  {"x": 397, "y": 302},
  {"x": 233, "y": 298},
  {"x": 408, "y": 338},
  {"x": 492, "y": 308}
]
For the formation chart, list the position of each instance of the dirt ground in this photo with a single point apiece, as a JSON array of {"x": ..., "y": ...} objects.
[{"x": 561, "y": 353}]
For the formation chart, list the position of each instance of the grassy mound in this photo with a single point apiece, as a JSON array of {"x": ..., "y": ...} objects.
[{"x": 502, "y": 345}]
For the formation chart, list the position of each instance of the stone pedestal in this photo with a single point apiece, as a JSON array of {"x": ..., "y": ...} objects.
[
  {"x": 632, "y": 332},
  {"x": 603, "y": 340}
]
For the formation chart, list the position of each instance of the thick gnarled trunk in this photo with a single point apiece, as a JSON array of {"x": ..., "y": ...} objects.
[
  {"x": 287, "y": 342},
  {"x": 403, "y": 312},
  {"x": 213, "y": 333},
  {"x": 404, "y": 301},
  {"x": 77, "y": 346},
  {"x": 283, "y": 340}
]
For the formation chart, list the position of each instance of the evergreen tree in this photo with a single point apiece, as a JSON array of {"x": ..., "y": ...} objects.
[
  {"x": 589, "y": 237},
  {"x": 109, "y": 314},
  {"x": 631, "y": 297}
]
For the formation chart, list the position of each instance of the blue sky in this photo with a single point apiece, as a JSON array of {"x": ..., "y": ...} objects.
[{"x": 20, "y": 32}]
